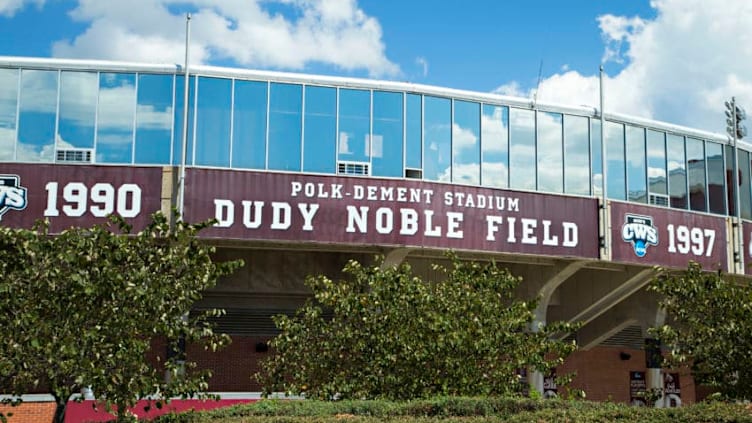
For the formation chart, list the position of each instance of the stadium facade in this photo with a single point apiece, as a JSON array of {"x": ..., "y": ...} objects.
[{"x": 305, "y": 172}]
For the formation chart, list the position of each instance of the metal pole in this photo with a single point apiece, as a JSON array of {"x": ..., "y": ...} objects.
[
  {"x": 184, "y": 140},
  {"x": 738, "y": 249},
  {"x": 605, "y": 218}
]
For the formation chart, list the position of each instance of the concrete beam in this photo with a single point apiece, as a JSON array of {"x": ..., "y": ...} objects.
[
  {"x": 395, "y": 257},
  {"x": 587, "y": 340},
  {"x": 605, "y": 303},
  {"x": 548, "y": 288}
]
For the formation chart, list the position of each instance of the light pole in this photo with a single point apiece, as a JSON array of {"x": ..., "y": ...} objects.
[{"x": 734, "y": 116}]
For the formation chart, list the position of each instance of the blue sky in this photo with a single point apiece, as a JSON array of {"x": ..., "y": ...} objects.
[{"x": 672, "y": 60}]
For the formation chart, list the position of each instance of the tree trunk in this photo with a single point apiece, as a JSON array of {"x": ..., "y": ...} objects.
[{"x": 60, "y": 405}]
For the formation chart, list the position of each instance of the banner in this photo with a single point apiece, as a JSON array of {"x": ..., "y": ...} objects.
[{"x": 370, "y": 211}]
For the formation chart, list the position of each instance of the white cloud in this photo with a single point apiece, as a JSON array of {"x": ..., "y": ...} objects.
[
  {"x": 335, "y": 32},
  {"x": 678, "y": 67},
  {"x": 10, "y": 7},
  {"x": 423, "y": 63}
]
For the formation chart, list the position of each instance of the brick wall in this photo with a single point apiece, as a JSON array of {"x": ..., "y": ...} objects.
[
  {"x": 30, "y": 412},
  {"x": 604, "y": 375},
  {"x": 232, "y": 367}
]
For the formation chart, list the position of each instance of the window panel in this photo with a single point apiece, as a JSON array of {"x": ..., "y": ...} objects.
[
  {"x": 495, "y": 146},
  {"x": 677, "y": 171},
  {"x": 387, "y": 134},
  {"x": 438, "y": 139},
  {"x": 596, "y": 147},
  {"x": 730, "y": 181},
  {"x": 213, "y": 122},
  {"x": 249, "y": 125},
  {"x": 696, "y": 175},
  {"x": 285, "y": 115},
  {"x": 8, "y": 108},
  {"x": 576, "y": 155},
  {"x": 354, "y": 125},
  {"x": 716, "y": 178},
  {"x": 745, "y": 197},
  {"x": 115, "y": 117},
  {"x": 154, "y": 119},
  {"x": 413, "y": 130},
  {"x": 466, "y": 143},
  {"x": 550, "y": 155},
  {"x": 177, "y": 146},
  {"x": 522, "y": 149},
  {"x": 656, "y": 147},
  {"x": 636, "y": 167},
  {"x": 36, "y": 120},
  {"x": 78, "y": 110},
  {"x": 320, "y": 145},
  {"x": 615, "y": 176}
]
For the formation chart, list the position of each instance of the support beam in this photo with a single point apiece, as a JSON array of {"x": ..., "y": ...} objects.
[
  {"x": 395, "y": 257},
  {"x": 595, "y": 340},
  {"x": 629, "y": 287}
]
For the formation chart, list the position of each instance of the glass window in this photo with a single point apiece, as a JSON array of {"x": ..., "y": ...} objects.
[
  {"x": 730, "y": 181},
  {"x": 677, "y": 171},
  {"x": 656, "y": 148},
  {"x": 494, "y": 142},
  {"x": 522, "y": 149},
  {"x": 249, "y": 125},
  {"x": 78, "y": 109},
  {"x": 36, "y": 120},
  {"x": 576, "y": 155},
  {"x": 213, "y": 122},
  {"x": 636, "y": 168},
  {"x": 387, "y": 134},
  {"x": 8, "y": 107},
  {"x": 154, "y": 119},
  {"x": 285, "y": 123},
  {"x": 354, "y": 125},
  {"x": 115, "y": 117},
  {"x": 615, "y": 168},
  {"x": 438, "y": 139},
  {"x": 596, "y": 153},
  {"x": 716, "y": 177},
  {"x": 466, "y": 143},
  {"x": 320, "y": 144},
  {"x": 177, "y": 146},
  {"x": 413, "y": 130},
  {"x": 550, "y": 152},
  {"x": 696, "y": 174},
  {"x": 745, "y": 198}
]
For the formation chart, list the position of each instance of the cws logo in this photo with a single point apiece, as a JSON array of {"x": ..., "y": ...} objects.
[
  {"x": 639, "y": 230},
  {"x": 12, "y": 194}
]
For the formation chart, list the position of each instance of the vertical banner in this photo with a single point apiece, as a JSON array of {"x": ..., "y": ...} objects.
[
  {"x": 637, "y": 389},
  {"x": 671, "y": 390},
  {"x": 550, "y": 390}
]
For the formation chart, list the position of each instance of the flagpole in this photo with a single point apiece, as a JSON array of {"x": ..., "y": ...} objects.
[
  {"x": 605, "y": 218},
  {"x": 184, "y": 139}
]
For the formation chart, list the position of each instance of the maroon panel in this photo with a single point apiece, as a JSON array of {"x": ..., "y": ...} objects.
[
  {"x": 666, "y": 237},
  {"x": 77, "y": 195},
  {"x": 747, "y": 237},
  {"x": 351, "y": 210}
]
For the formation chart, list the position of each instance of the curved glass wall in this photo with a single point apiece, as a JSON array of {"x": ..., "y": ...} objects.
[{"x": 118, "y": 117}]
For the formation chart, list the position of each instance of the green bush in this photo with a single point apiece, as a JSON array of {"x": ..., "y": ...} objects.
[{"x": 462, "y": 409}]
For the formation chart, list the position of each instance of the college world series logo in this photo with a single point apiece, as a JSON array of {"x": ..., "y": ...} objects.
[
  {"x": 12, "y": 194},
  {"x": 639, "y": 230}
]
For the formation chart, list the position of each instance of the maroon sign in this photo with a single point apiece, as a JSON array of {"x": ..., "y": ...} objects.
[
  {"x": 351, "y": 210},
  {"x": 657, "y": 235},
  {"x": 70, "y": 195}
]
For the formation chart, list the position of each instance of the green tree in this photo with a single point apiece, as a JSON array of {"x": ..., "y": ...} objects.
[
  {"x": 710, "y": 328},
  {"x": 386, "y": 333},
  {"x": 83, "y": 307}
]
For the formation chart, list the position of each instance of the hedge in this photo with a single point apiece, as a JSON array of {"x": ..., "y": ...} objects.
[{"x": 468, "y": 410}]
